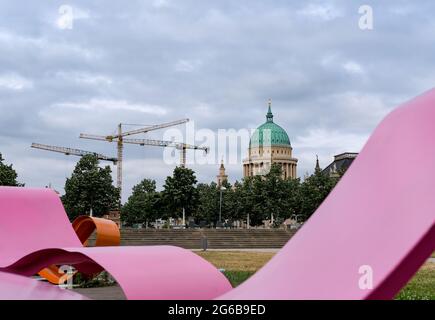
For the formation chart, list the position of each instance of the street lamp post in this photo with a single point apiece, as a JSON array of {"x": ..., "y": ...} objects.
[
  {"x": 220, "y": 204},
  {"x": 184, "y": 219}
]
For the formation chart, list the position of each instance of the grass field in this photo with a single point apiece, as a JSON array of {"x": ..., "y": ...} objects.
[
  {"x": 422, "y": 286},
  {"x": 237, "y": 260},
  {"x": 239, "y": 266}
]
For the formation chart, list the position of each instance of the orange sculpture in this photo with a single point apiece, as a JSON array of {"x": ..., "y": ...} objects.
[{"x": 106, "y": 234}]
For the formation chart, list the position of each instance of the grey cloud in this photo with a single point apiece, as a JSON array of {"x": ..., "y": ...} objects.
[{"x": 214, "y": 62}]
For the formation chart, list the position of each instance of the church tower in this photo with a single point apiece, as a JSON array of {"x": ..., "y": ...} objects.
[{"x": 222, "y": 177}]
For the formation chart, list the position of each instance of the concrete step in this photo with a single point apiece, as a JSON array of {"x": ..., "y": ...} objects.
[{"x": 217, "y": 238}]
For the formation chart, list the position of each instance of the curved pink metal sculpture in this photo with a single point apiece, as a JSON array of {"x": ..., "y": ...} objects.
[
  {"x": 379, "y": 219},
  {"x": 14, "y": 287},
  {"x": 35, "y": 233}
]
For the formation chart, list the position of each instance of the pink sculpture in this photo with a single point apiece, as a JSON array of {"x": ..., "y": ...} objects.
[
  {"x": 35, "y": 233},
  {"x": 13, "y": 287},
  {"x": 380, "y": 219},
  {"x": 365, "y": 241}
]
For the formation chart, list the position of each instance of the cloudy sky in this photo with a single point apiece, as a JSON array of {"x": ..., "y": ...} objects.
[{"x": 215, "y": 62}]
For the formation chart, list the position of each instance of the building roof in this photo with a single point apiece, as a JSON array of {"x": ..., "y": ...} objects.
[
  {"x": 341, "y": 163},
  {"x": 269, "y": 134}
]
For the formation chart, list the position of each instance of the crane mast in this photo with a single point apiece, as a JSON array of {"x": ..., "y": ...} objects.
[
  {"x": 183, "y": 157},
  {"x": 120, "y": 151}
]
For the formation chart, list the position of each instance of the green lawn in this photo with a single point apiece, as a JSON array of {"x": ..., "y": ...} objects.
[
  {"x": 239, "y": 266},
  {"x": 237, "y": 277},
  {"x": 422, "y": 285}
]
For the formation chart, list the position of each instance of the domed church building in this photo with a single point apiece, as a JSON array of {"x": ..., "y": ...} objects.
[{"x": 269, "y": 144}]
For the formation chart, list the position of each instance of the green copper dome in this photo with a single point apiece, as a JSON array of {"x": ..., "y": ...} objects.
[{"x": 269, "y": 134}]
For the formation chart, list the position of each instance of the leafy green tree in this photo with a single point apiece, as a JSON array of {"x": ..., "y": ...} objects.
[
  {"x": 90, "y": 187},
  {"x": 244, "y": 193},
  {"x": 142, "y": 204},
  {"x": 229, "y": 202},
  {"x": 208, "y": 202},
  {"x": 262, "y": 196},
  {"x": 180, "y": 192},
  {"x": 293, "y": 198},
  {"x": 8, "y": 176},
  {"x": 275, "y": 194},
  {"x": 240, "y": 205},
  {"x": 314, "y": 190}
]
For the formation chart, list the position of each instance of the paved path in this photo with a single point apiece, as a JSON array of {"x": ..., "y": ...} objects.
[
  {"x": 104, "y": 293},
  {"x": 240, "y": 250}
]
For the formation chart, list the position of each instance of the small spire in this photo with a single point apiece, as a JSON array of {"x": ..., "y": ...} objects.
[
  {"x": 317, "y": 164},
  {"x": 222, "y": 163},
  {"x": 269, "y": 115}
]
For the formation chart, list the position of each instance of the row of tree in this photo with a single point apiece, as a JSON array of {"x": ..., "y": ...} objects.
[
  {"x": 90, "y": 189},
  {"x": 261, "y": 197}
]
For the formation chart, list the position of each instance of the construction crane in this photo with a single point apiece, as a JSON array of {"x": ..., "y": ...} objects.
[
  {"x": 74, "y": 152},
  {"x": 119, "y": 139}
]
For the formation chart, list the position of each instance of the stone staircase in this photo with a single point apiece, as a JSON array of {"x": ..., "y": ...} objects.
[{"x": 217, "y": 239}]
